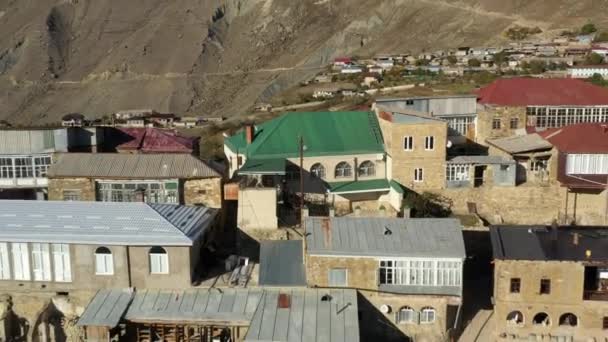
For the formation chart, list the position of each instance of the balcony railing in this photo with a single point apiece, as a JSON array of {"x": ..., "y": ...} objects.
[{"x": 595, "y": 295}]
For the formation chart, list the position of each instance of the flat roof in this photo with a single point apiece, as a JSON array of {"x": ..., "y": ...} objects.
[
  {"x": 112, "y": 223},
  {"x": 385, "y": 237},
  {"x": 282, "y": 263},
  {"x": 547, "y": 243},
  {"x": 521, "y": 143},
  {"x": 480, "y": 160}
]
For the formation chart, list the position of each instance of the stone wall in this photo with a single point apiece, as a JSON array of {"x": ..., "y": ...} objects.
[
  {"x": 207, "y": 192},
  {"x": 567, "y": 283},
  {"x": 487, "y": 114},
  {"x": 85, "y": 186}
]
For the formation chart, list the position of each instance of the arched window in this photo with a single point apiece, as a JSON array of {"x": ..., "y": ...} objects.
[
  {"x": 159, "y": 260},
  {"x": 568, "y": 319},
  {"x": 343, "y": 170},
  {"x": 406, "y": 315},
  {"x": 541, "y": 318},
  {"x": 367, "y": 168},
  {"x": 104, "y": 263},
  {"x": 515, "y": 318},
  {"x": 317, "y": 170},
  {"x": 427, "y": 315}
]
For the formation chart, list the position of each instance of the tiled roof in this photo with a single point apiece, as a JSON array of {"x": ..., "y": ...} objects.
[
  {"x": 154, "y": 140},
  {"x": 516, "y": 92},
  {"x": 324, "y": 134},
  {"x": 130, "y": 166},
  {"x": 579, "y": 138}
]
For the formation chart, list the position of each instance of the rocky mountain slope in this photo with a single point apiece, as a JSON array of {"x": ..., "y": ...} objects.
[{"x": 217, "y": 57}]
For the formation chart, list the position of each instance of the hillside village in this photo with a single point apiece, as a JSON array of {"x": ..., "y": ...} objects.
[{"x": 471, "y": 216}]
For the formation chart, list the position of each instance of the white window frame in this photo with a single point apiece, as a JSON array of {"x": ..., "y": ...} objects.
[
  {"x": 21, "y": 260},
  {"x": 104, "y": 262},
  {"x": 62, "y": 262},
  {"x": 429, "y": 143},
  {"x": 587, "y": 164},
  {"x": 405, "y": 315},
  {"x": 428, "y": 315},
  {"x": 418, "y": 175},
  {"x": 5, "y": 263},
  {"x": 457, "y": 172},
  {"x": 41, "y": 262},
  {"x": 159, "y": 262},
  {"x": 343, "y": 170},
  {"x": 408, "y": 143},
  {"x": 338, "y": 269},
  {"x": 421, "y": 272}
]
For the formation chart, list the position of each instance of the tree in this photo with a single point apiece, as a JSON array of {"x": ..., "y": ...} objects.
[
  {"x": 474, "y": 62},
  {"x": 423, "y": 61},
  {"x": 500, "y": 58},
  {"x": 597, "y": 79},
  {"x": 601, "y": 37},
  {"x": 594, "y": 59},
  {"x": 534, "y": 67},
  {"x": 452, "y": 59},
  {"x": 588, "y": 28}
]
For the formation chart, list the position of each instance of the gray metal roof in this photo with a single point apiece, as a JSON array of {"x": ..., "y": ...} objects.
[
  {"x": 282, "y": 263},
  {"x": 33, "y": 141},
  {"x": 107, "y": 308},
  {"x": 480, "y": 160},
  {"x": 379, "y": 237},
  {"x": 112, "y": 223},
  {"x": 521, "y": 143},
  {"x": 307, "y": 317},
  {"x": 130, "y": 166}
]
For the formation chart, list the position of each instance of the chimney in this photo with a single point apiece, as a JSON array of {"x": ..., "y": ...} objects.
[
  {"x": 249, "y": 134},
  {"x": 575, "y": 239}
]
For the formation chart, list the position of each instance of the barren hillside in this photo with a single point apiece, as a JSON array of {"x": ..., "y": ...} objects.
[{"x": 217, "y": 57}]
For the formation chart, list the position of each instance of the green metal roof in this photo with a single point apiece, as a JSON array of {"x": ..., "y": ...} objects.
[
  {"x": 263, "y": 166},
  {"x": 324, "y": 133},
  {"x": 359, "y": 186}
]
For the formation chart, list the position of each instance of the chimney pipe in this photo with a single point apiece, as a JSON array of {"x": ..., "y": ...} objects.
[
  {"x": 575, "y": 239},
  {"x": 249, "y": 134}
]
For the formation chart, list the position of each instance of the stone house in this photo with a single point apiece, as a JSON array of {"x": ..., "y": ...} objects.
[
  {"x": 342, "y": 158},
  {"x": 509, "y": 106},
  {"x": 117, "y": 177},
  {"x": 410, "y": 270},
  {"x": 550, "y": 281}
]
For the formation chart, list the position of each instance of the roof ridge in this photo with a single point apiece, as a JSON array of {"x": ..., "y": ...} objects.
[
  {"x": 163, "y": 218},
  {"x": 259, "y": 143}
]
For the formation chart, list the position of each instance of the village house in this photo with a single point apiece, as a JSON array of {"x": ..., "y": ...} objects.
[
  {"x": 409, "y": 270},
  {"x": 586, "y": 71},
  {"x": 26, "y": 155},
  {"x": 236, "y": 315},
  {"x": 343, "y": 159},
  {"x": 73, "y": 120},
  {"x": 152, "y": 178},
  {"x": 54, "y": 256},
  {"x": 508, "y": 106},
  {"x": 550, "y": 281}
]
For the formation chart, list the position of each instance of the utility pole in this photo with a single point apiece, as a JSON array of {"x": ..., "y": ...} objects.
[
  {"x": 301, "y": 143},
  {"x": 606, "y": 210}
]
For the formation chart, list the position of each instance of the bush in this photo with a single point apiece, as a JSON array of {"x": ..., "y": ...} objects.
[
  {"x": 521, "y": 32},
  {"x": 598, "y": 80},
  {"x": 428, "y": 204},
  {"x": 601, "y": 37},
  {"x": 474, "y": 62},
  {"x": 594, "y": 59},
  {"x": 452, "y": 60},
  {"x": 588, "y": 28}
]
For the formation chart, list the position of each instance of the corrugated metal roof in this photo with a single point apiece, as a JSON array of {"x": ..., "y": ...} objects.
[
  {"x": 107, "y": 308},
  {"x": 307, "y": 318},
  {"x": 521, "y": 143},
  {"x": 480, "y": 160},
  {"x": 282, "y": 263},
  {"x": 113, "y": 223},
  {"x": 366, "y": 185},
  {"x": 131, "y": 166},
  {"x": 377, "y": 236},
  {"x": 580, "y": 138},
  {"x": 32, "y": 141}
]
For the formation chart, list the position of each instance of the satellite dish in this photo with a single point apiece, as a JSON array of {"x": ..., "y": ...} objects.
[{"x": 385, "y": 308}]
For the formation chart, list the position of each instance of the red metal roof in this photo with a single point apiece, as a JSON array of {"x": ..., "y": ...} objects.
[
  {"x": 343, "y": 60},
  {"x": 519, "y": 92},
  {"x": 579, "y": 138},
  {"x": 154, "y": 140}
]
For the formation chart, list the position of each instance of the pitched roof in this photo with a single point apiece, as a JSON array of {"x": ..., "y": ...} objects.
[
  {"x": 113, "y": 223},
  {"x": 521, "y": 143},
  {"x": 130, "y": 166},
  {"x": 579, "y": 138},
  {"x": 324, "y": 133},
  {"x": 282, "y": 263},
  {"x": 543, "y": 243},
  {"x": 376, "y": 237},
  {"x": 542, "y": 91},
  {"x": 107, "y": 308},
  {"x": 154, "y": 140}
]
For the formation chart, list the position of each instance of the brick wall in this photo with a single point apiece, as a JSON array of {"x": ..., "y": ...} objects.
[
  {"x": 486, "y": 116},
  {"x": 85, "y": 186}
]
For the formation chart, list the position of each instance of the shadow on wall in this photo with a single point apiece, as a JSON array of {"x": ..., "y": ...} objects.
[
  {"x": 374, "y": 326},
  {"x": 427, "y": 204},
  {"x": 48, "y": 326}
]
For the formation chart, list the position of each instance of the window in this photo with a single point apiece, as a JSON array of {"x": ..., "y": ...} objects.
[
  {"x": 409, "y": 102},
  {"x": 21, "y": 261},
  {"x": 545, "y": 286},
  {"x": 23, "y": 168},
  {"x": 429, "y": 143},
  {"x": 338, "y": 277},
  {"x": 41, "y": 166},
  {"x": 41, "y": 261},
  {"x": 427, "y": 315},
  {"x": 459, "y": 125},
  {"x": 541, "y": 318},
  {"x": 496, "y": 124},
  {"x": 587, "y": 164},
  {"x": 457, "y": 172},
  {"x": 61, "y": 261},
  {"x": 605, "y": 323},
  {"x": 343, "y": 170},
  {"x": 317, "y": 170},
  {"x": 5, "y": 268},
  {"x": 71, "y": 195},
  {"x": 6, "y": 168},
  {"x": 408, "y": 143},
  {"x": 515, "y": 286},
  {"x": 538, "y": 165},
  {"x": 418, "y": 176},
  {"x": 448, "y": 273},
  {"x": 159, "y": 261},
  {"x": 514, "y": 123},
  {"x": 104, "y": 263},
  {"x": 405, "y": 315},
  {"x": 515, "y": 318},
  {"x": 420, "y": 272},
  {"x": 568, "y": 319},
  {"x": 367, "y": 168},
  {"x": 154, "y": 192}
]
